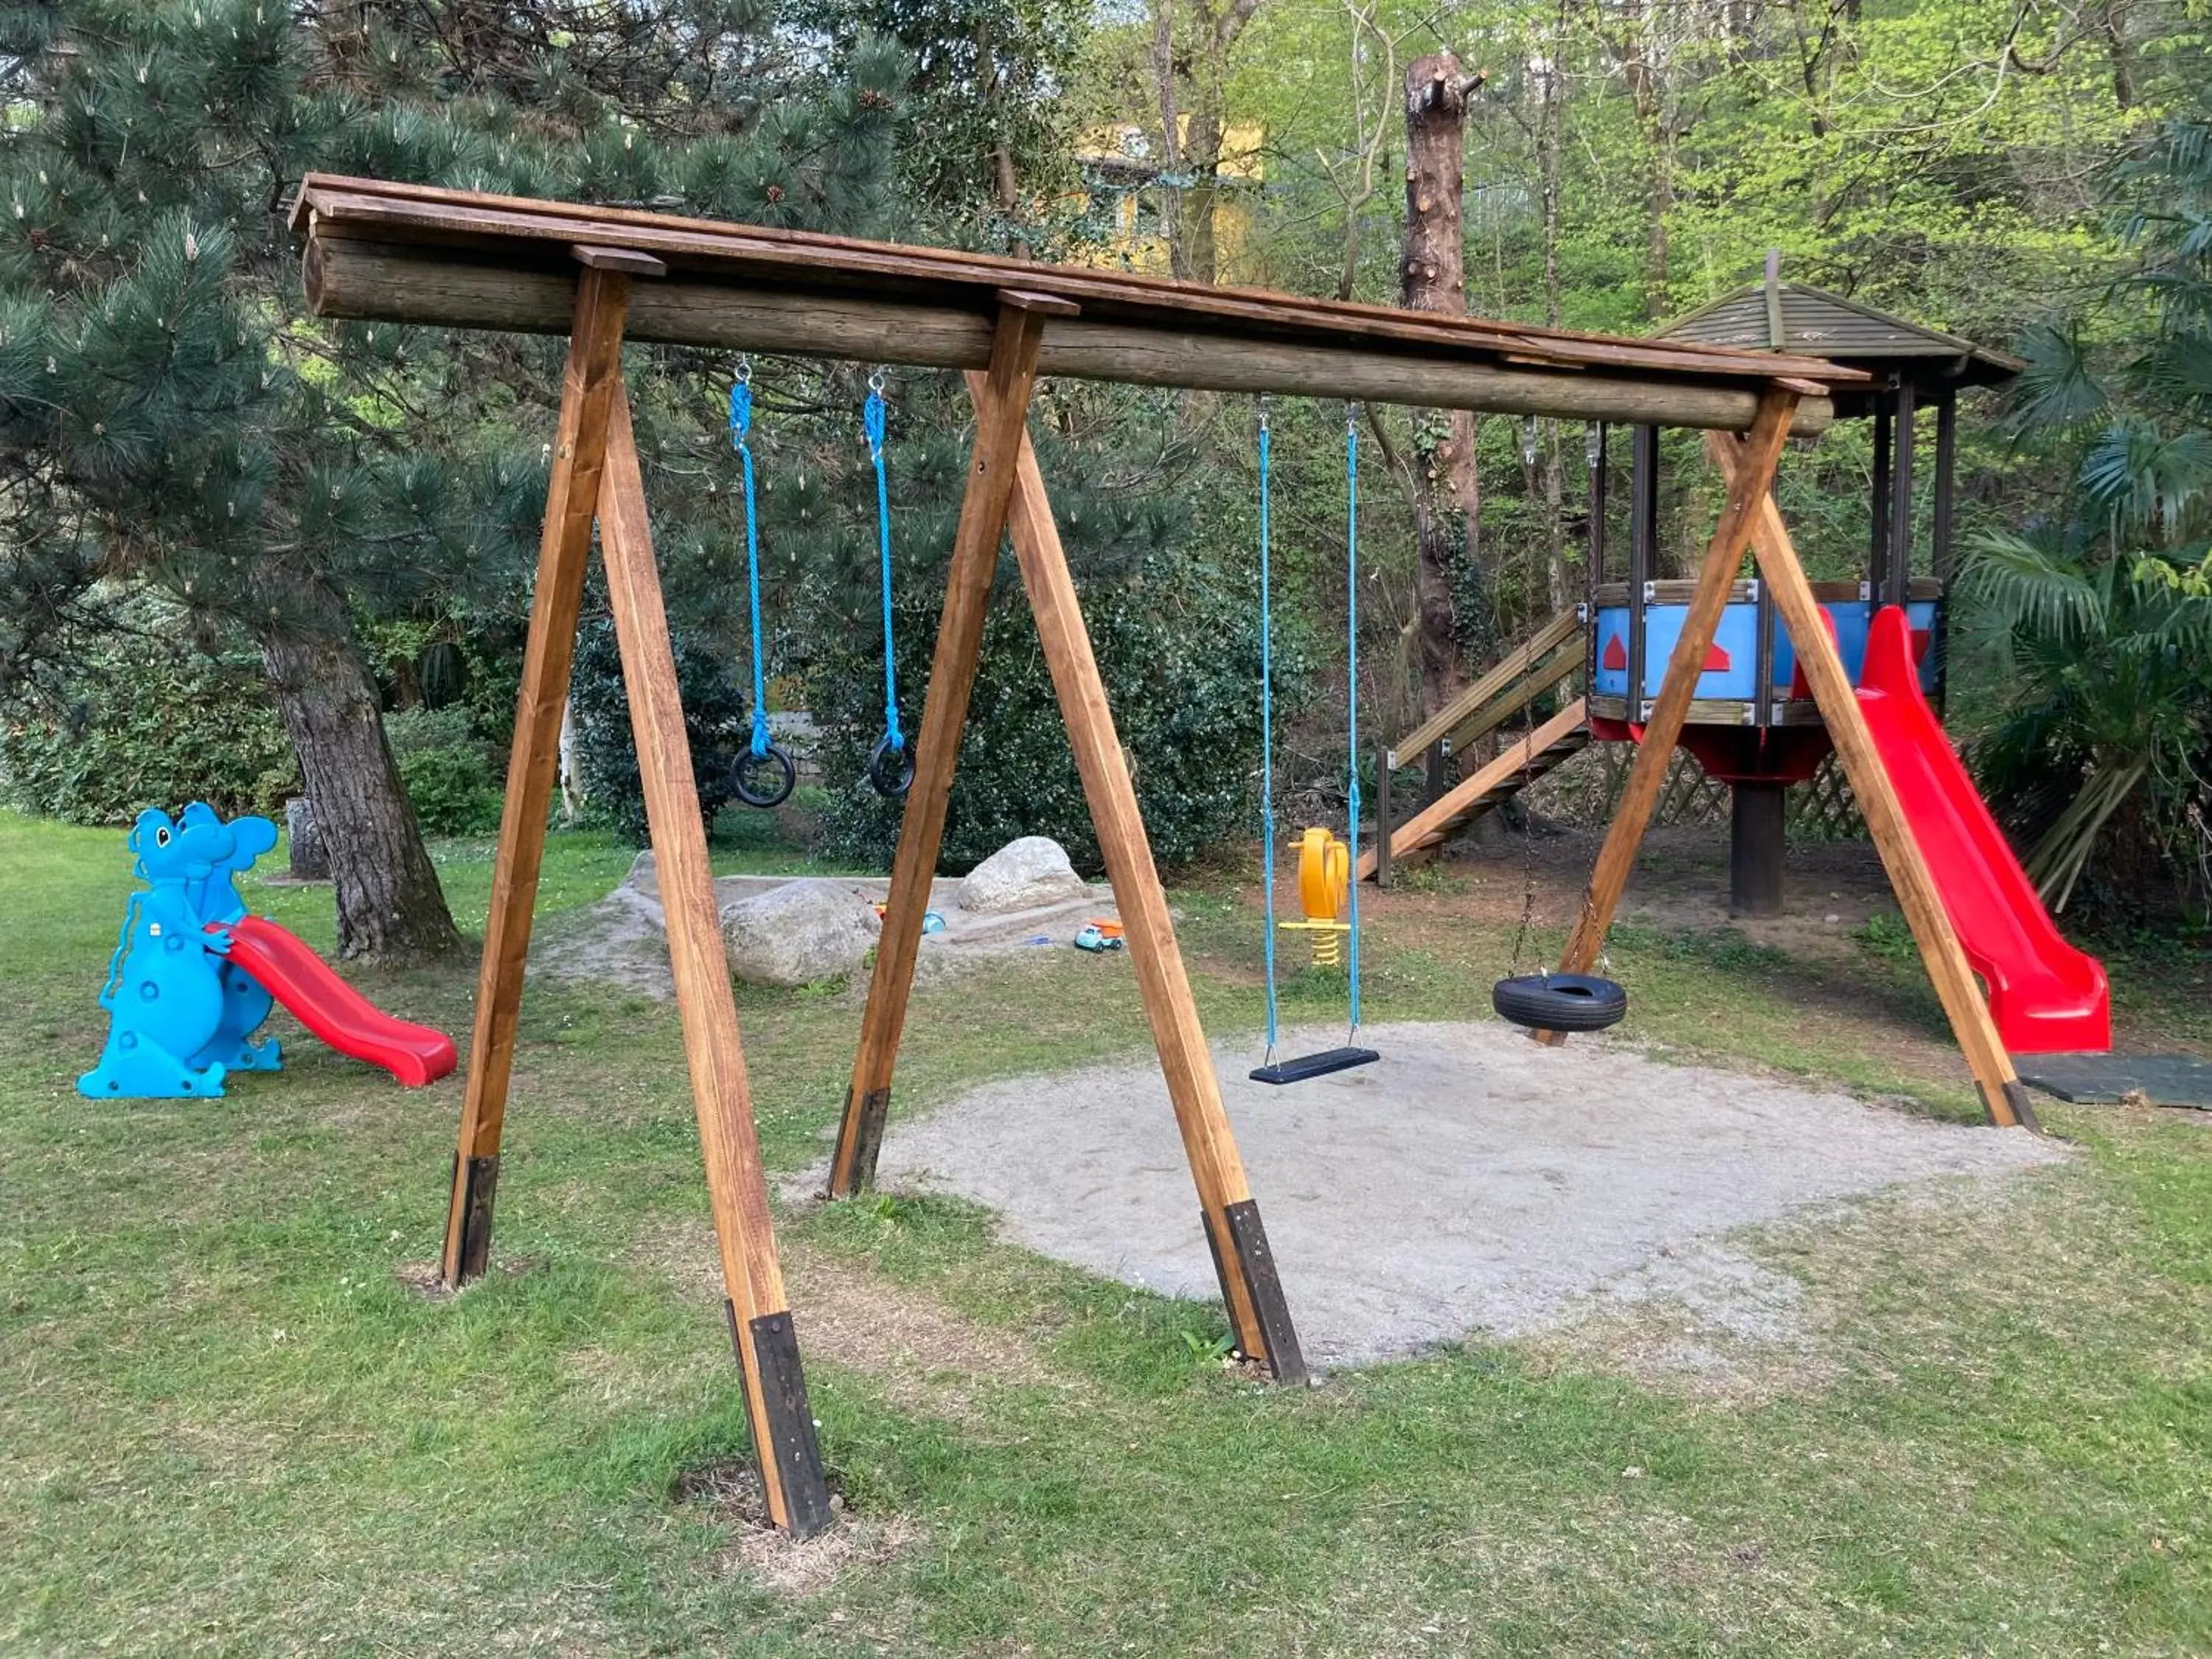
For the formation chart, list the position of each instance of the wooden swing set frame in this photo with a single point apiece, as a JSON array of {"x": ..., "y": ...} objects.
[{"x": 378, "y": 251}]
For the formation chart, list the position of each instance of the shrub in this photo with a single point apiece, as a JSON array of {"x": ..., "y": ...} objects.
[
  {"x": 716, "y": 719},
  {"x": 452, "y": 776},
  {"x": 1177, "y": 641},
  {"x": 144, "y": 720}
]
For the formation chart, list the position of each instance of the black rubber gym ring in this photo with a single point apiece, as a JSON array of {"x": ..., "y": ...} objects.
[
  {"x": 890, "y": 771},
  {"x": 1560, "y": 1002},
  {"x": 777, "y": 767}
]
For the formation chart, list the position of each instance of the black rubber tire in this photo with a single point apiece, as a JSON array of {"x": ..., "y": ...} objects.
[
  {"x": 763, "y": 780},
  {"x": 1560, "y": 1002},
  {"x": 890, "y": 771}
]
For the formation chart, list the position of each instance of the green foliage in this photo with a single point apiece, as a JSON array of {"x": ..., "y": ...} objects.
[
  {"x": 146, "y": 719},
  {"x": 1177, "y": 643},
  {"x": 2096, "y": 623},
  {"x": 452, "y": 775},
  {"x": 717, "y": 719}
]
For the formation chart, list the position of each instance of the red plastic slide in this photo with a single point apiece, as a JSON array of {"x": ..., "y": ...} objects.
[
  {"x": 289, "y": 970},
  {"x": 2045, "y": 996}
]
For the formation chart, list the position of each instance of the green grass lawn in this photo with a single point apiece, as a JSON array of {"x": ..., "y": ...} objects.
[{"x": 226, "y": 1426}]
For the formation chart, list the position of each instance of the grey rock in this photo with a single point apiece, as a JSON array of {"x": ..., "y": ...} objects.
[
  {"x": 799, "y": 933},
  {"x": 1022, "y": 875}
]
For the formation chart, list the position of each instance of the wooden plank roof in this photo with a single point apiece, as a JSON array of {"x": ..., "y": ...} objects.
[
  {"x": 1799, "y": 319},
  {"x": 417, "y": 227}
]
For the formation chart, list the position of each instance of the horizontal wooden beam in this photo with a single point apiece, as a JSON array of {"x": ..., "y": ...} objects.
[{"x": 420, "y": 283}]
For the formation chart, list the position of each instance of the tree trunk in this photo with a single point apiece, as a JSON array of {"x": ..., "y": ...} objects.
[
  {"x": 1551, "y": 145},
  {"x": 1432, "y": 277},
  {"x": 389, "y": 907}
]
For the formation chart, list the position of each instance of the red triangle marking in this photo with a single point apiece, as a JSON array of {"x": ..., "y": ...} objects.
[
  {"x": 1921, "y": 639},
  {"x": 1716, "y": 660},
  {"x": 1799, "y": 686},
  {"x": 1616, "y": 654}
]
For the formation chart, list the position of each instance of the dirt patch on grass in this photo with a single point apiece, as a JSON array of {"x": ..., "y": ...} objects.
[
  {"x": 730, "y": 1490},
  {"x": 1859, "y": 1288},
  {"x": 921, "y": 1355}
]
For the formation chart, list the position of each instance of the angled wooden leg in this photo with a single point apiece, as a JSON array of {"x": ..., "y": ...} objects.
[
  {"x": 2003, "y": 1097},
  {"x": 1242, "y": 1259},
  {"x": 588, "y": 388},
  {"x": 1012, "y": 377},
  {"x": 760, "y": 1319},
  {"x": 1647, "y": 774}
]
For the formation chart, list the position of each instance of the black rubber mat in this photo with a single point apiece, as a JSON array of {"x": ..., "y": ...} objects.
[{"x": 2105, "y": 1080}]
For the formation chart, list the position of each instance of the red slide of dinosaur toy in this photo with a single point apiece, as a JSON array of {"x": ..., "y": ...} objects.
[{"x": 288, "y": 968}]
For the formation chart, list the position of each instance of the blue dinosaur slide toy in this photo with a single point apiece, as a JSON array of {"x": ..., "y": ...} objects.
[{"x": 194, "y": 976}]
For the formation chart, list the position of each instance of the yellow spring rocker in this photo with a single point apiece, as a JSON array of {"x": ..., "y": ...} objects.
[{"x": 1324, "y": 883}]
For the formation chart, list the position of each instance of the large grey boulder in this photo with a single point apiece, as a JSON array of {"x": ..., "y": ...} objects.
[
  {"x": 1027, "y": 874},
  {"x": 799, "y": 934}
]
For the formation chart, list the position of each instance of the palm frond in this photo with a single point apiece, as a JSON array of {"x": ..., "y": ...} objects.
[
  {"x": 2057, "y": 390},
  {"x": 2034, "y": 590},
  {"x": 2147, "y": 477}
]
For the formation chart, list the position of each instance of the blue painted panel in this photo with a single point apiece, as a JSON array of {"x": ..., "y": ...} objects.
[
  {"x": 1731, "y": 670},
  {"x": 1613, "y": 642},
  {"x": 1737, "y": 637}
]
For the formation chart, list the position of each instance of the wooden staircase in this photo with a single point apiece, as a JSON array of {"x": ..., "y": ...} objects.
[{"x": 1526, "y": 673}]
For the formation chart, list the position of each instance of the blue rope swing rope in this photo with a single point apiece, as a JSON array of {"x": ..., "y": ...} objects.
[
  {"x": 1333, "y": 1059},
  {"x": 1266, "y": 737},
  {"x": 763, "y": 775},
  {"x": 875, "y": 417},
  {"x": 1351, "y": 683},
  {"x": 741, "y": 426},
  {"x": 891, "y": 766}
]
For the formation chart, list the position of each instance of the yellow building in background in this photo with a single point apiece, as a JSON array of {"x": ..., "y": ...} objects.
[{"x": 1124, "y": 185}]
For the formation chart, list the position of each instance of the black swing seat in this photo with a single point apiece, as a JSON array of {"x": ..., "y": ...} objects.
[{"x": 1313, "y": 1065}]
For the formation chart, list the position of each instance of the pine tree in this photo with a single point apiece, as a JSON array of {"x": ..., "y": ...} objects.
[{"x": 168, "y": 416}]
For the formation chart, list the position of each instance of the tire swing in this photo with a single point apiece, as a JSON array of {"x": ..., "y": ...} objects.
[
  {"x": 890, "y": 766},
  {"x": 1326, "y": 865},
  {"x": 763, "y": 775},
  {"x": 1544, "y": 1001}
]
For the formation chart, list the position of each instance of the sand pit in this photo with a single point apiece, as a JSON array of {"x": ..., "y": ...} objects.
[{"x": 1471, "y": 1183}]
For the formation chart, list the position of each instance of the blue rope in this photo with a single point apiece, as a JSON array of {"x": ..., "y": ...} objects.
[
  {"x": 741, "y": 426},
  {"x": 1352, "y": 674},
  {"x": 1267, "y": 740},
  {"x": 874, "y": 418}
]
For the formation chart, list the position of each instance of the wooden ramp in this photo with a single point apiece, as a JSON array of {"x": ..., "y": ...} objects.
[
  {"x": 1525, "y": 673},
  {"x": 1520, "y": 764}
]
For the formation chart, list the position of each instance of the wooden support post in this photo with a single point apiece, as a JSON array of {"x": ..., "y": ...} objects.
[
  {"x": 1011, "y": 377},
  {"x": 1647, "y": 774},
  {"x": 1897, "y": 577},
  {"x": 1757, "y": 842},
  {"x": 1878, "y": 529},
  {"x": 1939, "y": 556},
  {"x": 1383, "y": 816},
  {"x": 2003, "y": 1098},
  {"x": 1258, "y": 1312},
  {"x": 1642, "y": 558},
  {"x": 588, "y": 388},
  {"x": 736, "y": 1188}
]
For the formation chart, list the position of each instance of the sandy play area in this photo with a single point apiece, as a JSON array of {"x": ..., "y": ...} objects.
[{"x": 1471, "y": 1183}]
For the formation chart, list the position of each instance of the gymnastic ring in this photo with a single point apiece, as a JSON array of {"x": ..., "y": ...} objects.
[
  {"x": 890, "y": 768},
  {"x": 1560, "y": 1002},
  {"x": 749, "y": 766}
]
